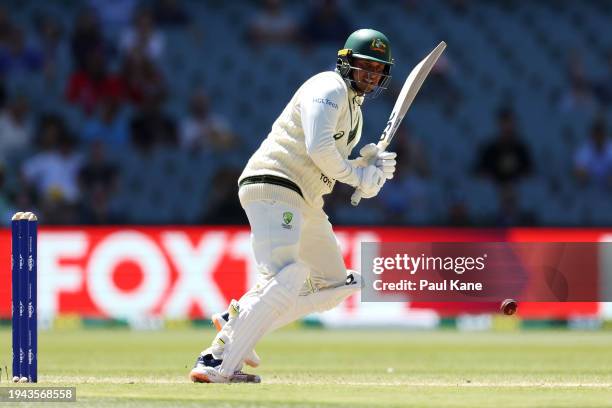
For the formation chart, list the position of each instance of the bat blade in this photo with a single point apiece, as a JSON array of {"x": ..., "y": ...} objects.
[
  {"x": 405, "y": 98},
  {"x": 411, "y": 88}
]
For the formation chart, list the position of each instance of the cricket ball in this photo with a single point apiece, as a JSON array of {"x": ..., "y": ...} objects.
[{"x": 508, "y": 307}]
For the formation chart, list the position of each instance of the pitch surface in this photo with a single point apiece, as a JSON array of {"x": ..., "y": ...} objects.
[{"x": 320, "y": 368}]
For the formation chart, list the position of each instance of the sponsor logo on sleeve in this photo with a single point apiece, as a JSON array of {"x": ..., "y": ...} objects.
[{"x": 326, "y": 102}]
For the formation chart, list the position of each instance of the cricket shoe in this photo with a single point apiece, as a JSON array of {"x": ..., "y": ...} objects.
[
  {"x": 220, "y": 319},
  {"x": 206, "y": 370}
]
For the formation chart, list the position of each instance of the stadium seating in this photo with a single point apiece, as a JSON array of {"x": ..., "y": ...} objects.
[{"x": 499, "y": 54}]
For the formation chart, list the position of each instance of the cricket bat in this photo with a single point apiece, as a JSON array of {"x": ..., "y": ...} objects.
[{"x": 404, "y": 100}]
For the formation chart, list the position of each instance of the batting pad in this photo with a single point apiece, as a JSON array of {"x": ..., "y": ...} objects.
[
  {"x": 256, "y": 317},
  {"x": 318, "y": 302}
]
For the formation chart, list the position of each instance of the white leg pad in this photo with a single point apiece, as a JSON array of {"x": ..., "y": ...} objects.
[
  {"x": 320, "y": 301},
  {"x": 256, "y": 317}
]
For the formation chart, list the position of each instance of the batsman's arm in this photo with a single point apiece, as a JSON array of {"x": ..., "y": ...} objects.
[{"x": 318, "y": 123}]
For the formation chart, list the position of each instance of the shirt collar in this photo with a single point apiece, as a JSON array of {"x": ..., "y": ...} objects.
[{"x": 352, "y": 95}]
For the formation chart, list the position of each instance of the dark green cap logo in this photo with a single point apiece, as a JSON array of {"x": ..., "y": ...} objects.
[
  {"x": 287, "y": 217},
  {"x": 378, "y": 45}
]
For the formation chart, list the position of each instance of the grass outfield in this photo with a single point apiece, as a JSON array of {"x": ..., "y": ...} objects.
[{"x": 318, "y": 368}]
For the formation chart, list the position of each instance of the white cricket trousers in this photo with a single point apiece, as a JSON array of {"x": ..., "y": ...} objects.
[
  {"x": 283, "y": 233},
  {"x": 300, "y": 266}
]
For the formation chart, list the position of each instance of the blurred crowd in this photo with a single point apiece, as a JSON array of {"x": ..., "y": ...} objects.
[
  {"x": 116, "y": 89},
  {"x": 104, "y": 91}
]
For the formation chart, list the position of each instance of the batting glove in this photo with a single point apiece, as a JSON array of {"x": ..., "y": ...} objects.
[
  {"x": 371, "y": 180},
  {"x": 386, "y": 162},
  {"x": 371, "y": 155}
]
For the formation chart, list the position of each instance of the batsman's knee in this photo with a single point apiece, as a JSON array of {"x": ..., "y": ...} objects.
[
  {"x": 332, "y": 296},
  {"x": 284, "y": 287}
]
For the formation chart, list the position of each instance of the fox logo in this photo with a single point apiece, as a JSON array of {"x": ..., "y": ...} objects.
[{"x": 378, "y": 45}]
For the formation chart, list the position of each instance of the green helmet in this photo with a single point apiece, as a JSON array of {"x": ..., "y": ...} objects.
[
  {"x": 368, "y": 44},
  {"x": 365, "y": 44}
]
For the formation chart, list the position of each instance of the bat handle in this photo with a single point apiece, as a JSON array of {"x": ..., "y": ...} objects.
[{"x": 356, "y": 197}]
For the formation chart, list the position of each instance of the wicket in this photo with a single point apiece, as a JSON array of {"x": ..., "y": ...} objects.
[{"x": 24, "y": 229}]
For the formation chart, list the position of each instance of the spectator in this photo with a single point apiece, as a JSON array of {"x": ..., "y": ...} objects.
[
  {"x": 86, "y": 39},
  {"x": 202, "y": 130},
  {"x": 506, "y": 158},
  {"x": 88, "y": 87},
  {"x": 49, "y": 33},
  {"x": 48, "y": 179},
  {"x": 15, "y": 128},
  {"x": 110, "y": 125},
  {"x": 143, "y": 36},
  {"x": 141, "y": 77},
  {"x": 16, "y": 57},
  {"x": 170, "y": 13},
  {"x": 272, "y": 25},
  {"x": 593, "y": 160},
  {"x": 151, "y": 126},
  {"x": 325, "y": 23},
  {"x": 98, "y": 183},
  {"x": 53, "y": 174}
]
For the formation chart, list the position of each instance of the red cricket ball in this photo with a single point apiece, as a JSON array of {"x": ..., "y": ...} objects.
[{"x": 508, "y": 307}]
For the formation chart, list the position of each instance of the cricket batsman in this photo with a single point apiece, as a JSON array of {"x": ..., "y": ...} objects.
[{"x": 300, "y": 266}]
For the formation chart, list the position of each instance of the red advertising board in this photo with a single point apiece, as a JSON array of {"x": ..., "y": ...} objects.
[{"x": 181, "y": 272}]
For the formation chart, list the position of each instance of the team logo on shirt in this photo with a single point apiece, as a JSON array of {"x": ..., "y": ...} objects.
[
  {"x": 351, "y": 135},
  {"x": 287, "y": 218}
]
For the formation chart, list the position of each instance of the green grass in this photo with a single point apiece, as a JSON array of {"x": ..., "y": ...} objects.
[{"x": 313, "y": 368}]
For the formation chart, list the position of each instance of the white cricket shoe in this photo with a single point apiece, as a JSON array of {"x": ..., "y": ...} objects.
[
  {"x": 220, "y": 319},
  {"x": 206, "y": 370}
]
